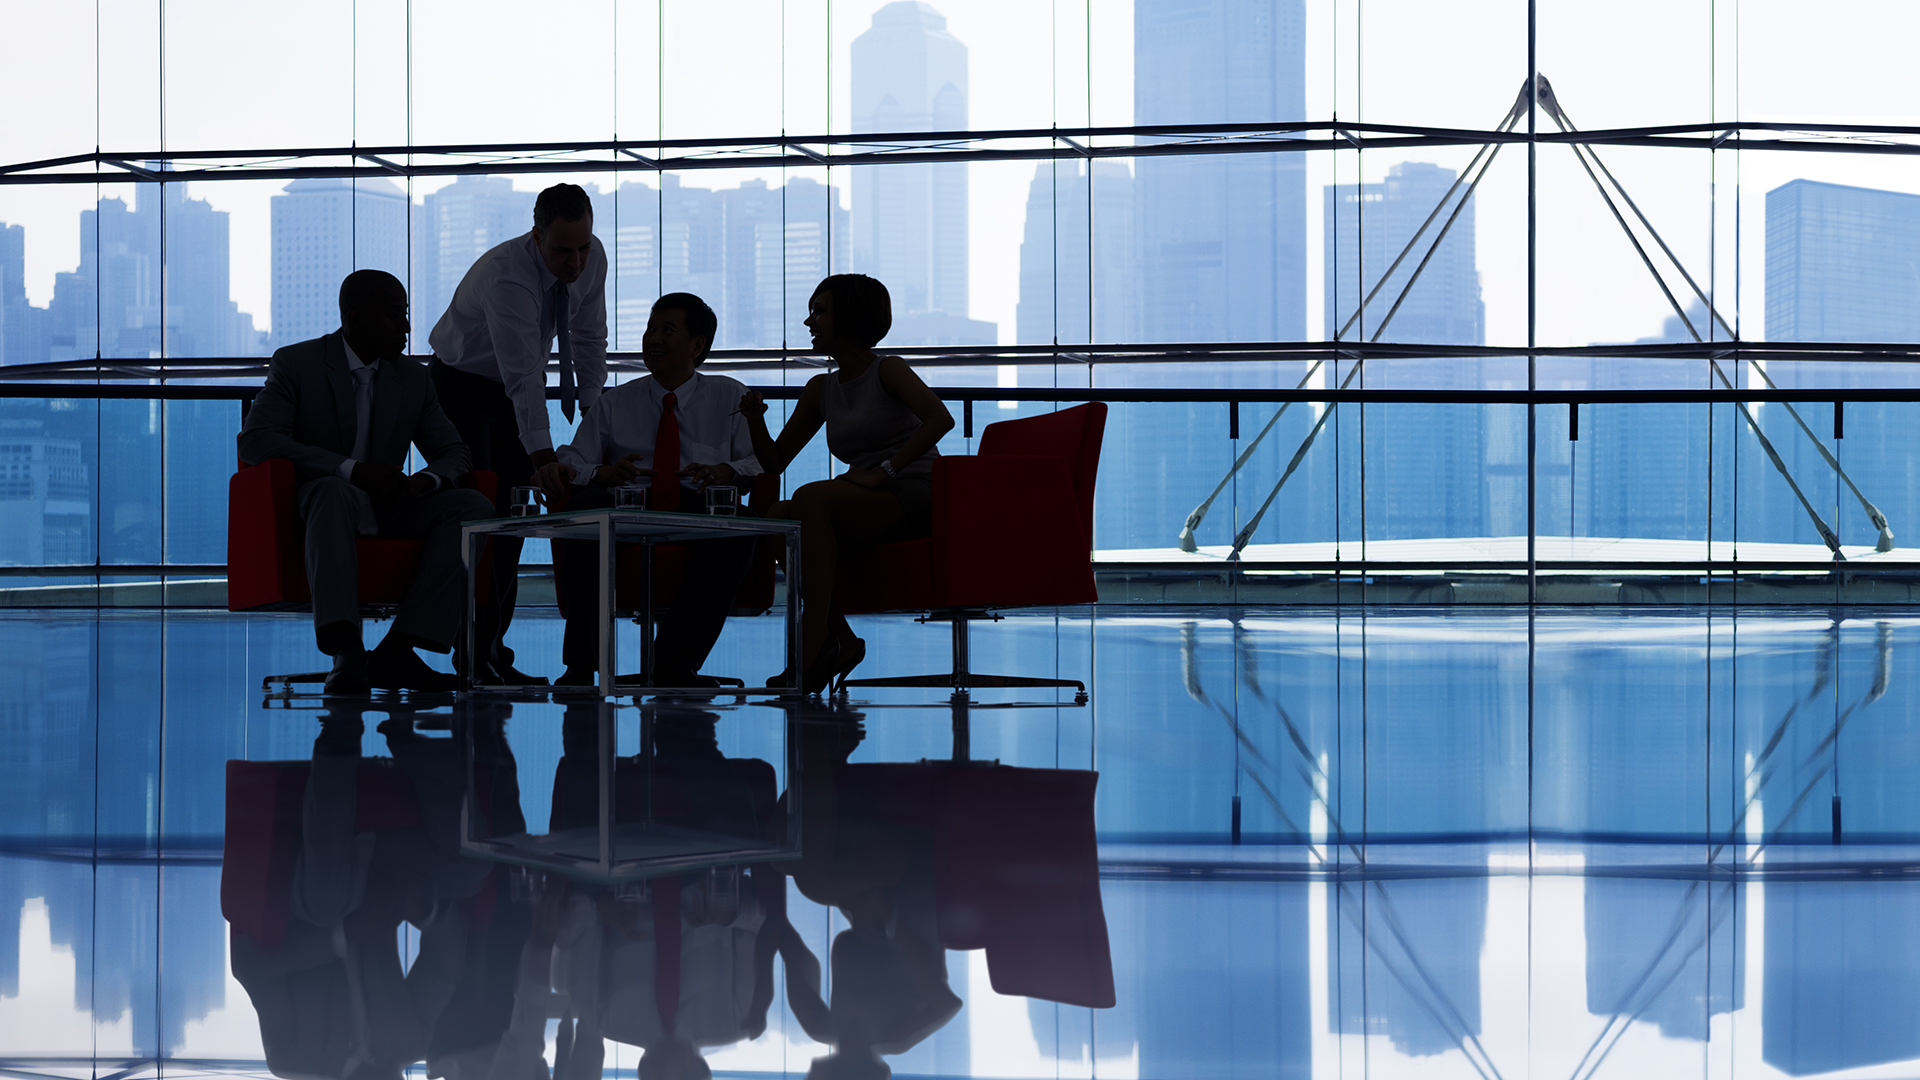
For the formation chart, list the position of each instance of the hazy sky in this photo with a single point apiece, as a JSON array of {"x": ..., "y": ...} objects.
[{"x": 324, "y": 73}]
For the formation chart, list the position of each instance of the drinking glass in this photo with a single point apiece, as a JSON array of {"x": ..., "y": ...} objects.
[
  {"x": 723, "y": 500},
  {"x": 526, "y": 502},
  {"x": 631, "y": 497}
]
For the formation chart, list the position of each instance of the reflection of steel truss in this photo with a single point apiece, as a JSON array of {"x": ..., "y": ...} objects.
[{"x": 910, "y": 147}]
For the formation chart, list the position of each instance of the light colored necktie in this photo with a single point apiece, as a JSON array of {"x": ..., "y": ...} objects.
[
  {"x": 362, "y": 412},
  {"x": 568, "y": 393}
]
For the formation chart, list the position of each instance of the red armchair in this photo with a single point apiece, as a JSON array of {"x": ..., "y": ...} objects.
[
  {"x": 267, "y": 551},
  {"x": 1012, "y": 527}
]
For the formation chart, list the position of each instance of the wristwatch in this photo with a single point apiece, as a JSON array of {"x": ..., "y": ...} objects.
[{"x": 886, "y": 466}]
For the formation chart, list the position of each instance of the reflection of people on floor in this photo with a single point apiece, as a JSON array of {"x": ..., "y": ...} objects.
[
  {"x": 332, "y": 997},
  {"x": 680, "y": 964},
  {"x": 889, "y": 971},
  {"x": 676, "y": 432}
]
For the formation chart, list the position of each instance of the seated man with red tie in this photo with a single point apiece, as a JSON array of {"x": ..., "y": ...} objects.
[{"x": 678, "y": 432}]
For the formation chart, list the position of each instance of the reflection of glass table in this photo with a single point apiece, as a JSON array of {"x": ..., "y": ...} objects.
[
  {"x": 671, "y": 803},
  {"x": 646, "y": 528}
]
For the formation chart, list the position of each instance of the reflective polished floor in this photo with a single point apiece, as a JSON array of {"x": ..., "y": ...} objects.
[{"x": 1471, "y": 842}]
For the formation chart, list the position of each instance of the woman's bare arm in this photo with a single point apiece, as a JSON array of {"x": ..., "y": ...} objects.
[
  {"x": 935, "y": 421},
  {"x": 774, "y": 455}
]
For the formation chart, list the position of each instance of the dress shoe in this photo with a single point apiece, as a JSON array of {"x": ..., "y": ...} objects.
[
  {"x": 400, "y": 668},
  {"x": 679, "y": 676},
  {"x": 503, "y": 673},
  {"x": 578, "y": 676},
  {"x": 349, "y": 674}
]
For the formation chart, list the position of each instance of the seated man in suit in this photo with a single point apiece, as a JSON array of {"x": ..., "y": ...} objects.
[
  {"x": 343, "y": 408},
  {"x": 683, "y": 430}
]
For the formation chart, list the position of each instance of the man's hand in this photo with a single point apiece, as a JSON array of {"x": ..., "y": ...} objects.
[
  {"x": 420, "y": 483},
  {"x": 542, "y": 458},
  {"x": 705, "y": 476},
  {"x": 618, "y": 473},
  {"x": 386, "y": 484},
  {"x": 866, "y": 478},
  {"x": 554, "y": 478}
]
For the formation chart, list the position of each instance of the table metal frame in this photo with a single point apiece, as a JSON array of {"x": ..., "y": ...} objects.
[{"x": 613, "y": 526}]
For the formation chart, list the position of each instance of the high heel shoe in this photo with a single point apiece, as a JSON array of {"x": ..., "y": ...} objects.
[
  {"x": 821, "y": 673},
  {"x": 851, "y": 653}
]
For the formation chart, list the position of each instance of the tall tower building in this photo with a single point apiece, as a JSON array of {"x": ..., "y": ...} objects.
[
  {"x": 23, "y": 327},
  {"x": 455, "y": 226},
  {"x": 1223, "y": 249},
  {"x": 910, "y": 221},
  {"x": 1840, "y": 267},
  {"x": 1424, "y": 462},
  {"x": 1059, "y": 276},
  {"x": 137, "y": 296},
  {"x": 322, "y": 231}
]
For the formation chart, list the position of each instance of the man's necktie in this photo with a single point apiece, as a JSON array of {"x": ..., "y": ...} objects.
[
  {"x": 568, "y": 393},
  {"x": 666, "y": 458},
  {"x": 362, "y": 412}
]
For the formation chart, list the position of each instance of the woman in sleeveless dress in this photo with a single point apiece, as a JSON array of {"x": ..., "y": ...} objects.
[{"x": 883, "y": 422}]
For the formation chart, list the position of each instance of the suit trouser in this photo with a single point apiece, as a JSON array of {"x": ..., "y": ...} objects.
[
  {"x": 331, "y": 508},
  {"x": 483, "y": 415},
  {"x": 713, "y": 574}
]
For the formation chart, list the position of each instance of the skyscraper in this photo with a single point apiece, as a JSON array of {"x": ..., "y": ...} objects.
[
  {"x": 1425, "y": 463},
  {"x": 753, "y": 252},
  {"x": 1223, "y": 249},
  {"x": 1059, "y": 277},
  {"x": 127, "y": 300},
  {"x": 23, "y": 327},
  {"x": 322, "y": 231},
  {"x": 1840, "y": 267},
  {"x": 910, "y": 221},
  {"x": 455, "y": 226}
]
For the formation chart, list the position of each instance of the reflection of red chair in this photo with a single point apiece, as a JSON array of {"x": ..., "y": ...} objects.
[
  {"x": 267, "y": 551},
  {"x": 1016, "y": 868},
  {"x": 264, "y": 806},
  {"x": 1012, "y": 527},
  {"x": 670, "y": 561}
]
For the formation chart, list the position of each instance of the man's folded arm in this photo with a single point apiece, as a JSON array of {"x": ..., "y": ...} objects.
[
  {"x": 439, "y": 442},
  {"x": 513, "y": 320},
  {"x": 268, "y": 431},
  {"x": 589, "y": 332}
]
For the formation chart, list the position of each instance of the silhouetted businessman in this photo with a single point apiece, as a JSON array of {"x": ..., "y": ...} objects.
[{"x": 344, "y": 408}]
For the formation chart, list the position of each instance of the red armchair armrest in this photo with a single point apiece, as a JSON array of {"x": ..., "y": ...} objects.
[{"x": 1007, "y": 529}]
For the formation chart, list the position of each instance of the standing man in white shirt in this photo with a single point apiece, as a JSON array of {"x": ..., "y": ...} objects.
[
  {"x": 490, "y": 366},
  {"x": 678, "y": 432}
]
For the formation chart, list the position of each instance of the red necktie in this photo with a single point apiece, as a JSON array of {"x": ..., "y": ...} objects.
[{"x": 666, "y": 458}]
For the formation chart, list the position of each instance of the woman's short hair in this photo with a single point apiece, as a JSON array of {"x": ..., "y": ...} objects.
[
  {"x": 701, "y": 321},
  {"x": 862, "y": 310}
]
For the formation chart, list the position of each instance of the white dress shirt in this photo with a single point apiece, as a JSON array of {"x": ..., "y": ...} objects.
[
  {"x": 501, "y": 326},
  {"x": 363, "y": 376},
  {"x": 712, "y": 430}
]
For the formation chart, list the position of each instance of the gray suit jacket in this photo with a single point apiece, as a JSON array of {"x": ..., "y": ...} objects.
[{"x": 305, "y": 414}]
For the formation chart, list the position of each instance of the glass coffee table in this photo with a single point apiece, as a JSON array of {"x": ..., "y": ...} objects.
[{"x": 614, "y": 526}]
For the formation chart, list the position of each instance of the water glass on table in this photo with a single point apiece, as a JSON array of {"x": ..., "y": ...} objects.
[
  {"x": 526, "y": 502},
  {"x": 630, "y": 497},
  {"x": 723, "y": 500}
]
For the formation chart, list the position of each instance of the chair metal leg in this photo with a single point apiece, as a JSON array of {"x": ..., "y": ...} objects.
[{"x": 962, "y": 678}]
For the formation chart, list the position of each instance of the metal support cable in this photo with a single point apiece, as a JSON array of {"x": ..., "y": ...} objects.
[
  {"x": 1826, "y": 534},
  {"x": 1513, "y": 117},
  {"x": 1245, "y": 535},
  {"x": 1199, "y": 514},
  {"x": 1884, "y": 542}
]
